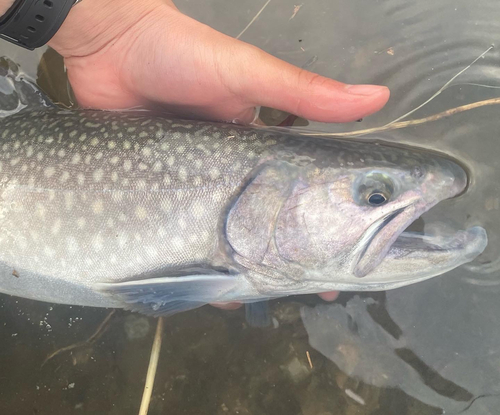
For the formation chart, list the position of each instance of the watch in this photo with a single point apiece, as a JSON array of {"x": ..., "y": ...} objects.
[{"x": 32, "y": 23}]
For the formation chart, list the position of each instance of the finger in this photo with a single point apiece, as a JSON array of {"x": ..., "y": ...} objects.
[
  {"x": 271, "y": 82},
  {"x": 329, "y": 296},
  {"x": 227, "y": 306}
]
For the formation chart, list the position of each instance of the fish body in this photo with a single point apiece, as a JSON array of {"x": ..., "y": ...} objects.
[{"x": 163, "y": 215}]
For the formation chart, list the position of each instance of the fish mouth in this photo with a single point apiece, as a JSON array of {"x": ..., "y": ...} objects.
[{"x": 389, "y": 247}]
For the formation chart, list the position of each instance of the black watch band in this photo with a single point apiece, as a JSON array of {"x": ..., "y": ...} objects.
[{"x": 32, "y": 23}]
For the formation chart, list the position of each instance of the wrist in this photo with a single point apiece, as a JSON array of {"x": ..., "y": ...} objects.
[{"x": 93, "y": 24}]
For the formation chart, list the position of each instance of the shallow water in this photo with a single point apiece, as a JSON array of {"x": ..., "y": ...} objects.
[{"x": 415, "y": 350}]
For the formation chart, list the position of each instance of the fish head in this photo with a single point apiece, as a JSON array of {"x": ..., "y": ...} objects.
[{"x": 341, "y": 224}]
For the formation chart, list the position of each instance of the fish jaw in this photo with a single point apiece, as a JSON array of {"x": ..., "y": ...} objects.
[
  {"x": 416, "y": 257},
  {"x": 449, "y": 179}
]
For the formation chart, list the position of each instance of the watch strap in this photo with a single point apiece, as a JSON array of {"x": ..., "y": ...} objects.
[{"x": 32, "y": 23}]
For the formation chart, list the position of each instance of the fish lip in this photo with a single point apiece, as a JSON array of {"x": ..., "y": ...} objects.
[
  {"x": 380, "y": 224},
  {"x": 469, "y": 242},
  {"x": 466, "y": 245},
  {"x": 361, "y": 267}
]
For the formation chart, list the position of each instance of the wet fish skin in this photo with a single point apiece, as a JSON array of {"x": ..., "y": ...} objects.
[{"x": 105, "y": 209}]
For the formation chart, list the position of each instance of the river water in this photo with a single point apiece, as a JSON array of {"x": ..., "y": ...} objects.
[{"x": 425, "y": 349}]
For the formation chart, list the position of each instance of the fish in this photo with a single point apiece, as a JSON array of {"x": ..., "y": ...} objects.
[{"x": 160, "y": 215}]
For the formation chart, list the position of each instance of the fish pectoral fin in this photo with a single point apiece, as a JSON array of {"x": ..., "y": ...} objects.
[{"x": 165, "y": 296}]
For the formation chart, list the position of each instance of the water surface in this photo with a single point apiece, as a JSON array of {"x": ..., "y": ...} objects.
[{"x": 417, "y": 350}]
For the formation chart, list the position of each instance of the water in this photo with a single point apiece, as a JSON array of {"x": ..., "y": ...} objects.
[{"x": 416, "y": 350}]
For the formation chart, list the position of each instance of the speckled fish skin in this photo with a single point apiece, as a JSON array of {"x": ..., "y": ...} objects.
[{"x": 90, "y": 197}]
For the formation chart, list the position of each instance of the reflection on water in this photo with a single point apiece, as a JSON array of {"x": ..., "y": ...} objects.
[{"x": 415, "y": 350}]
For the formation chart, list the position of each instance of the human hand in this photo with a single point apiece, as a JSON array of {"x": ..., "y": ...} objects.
[{"x": 125, "y": 53}]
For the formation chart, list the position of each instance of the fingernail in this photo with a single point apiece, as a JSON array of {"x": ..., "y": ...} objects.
[{"x": 364, "y": 90}]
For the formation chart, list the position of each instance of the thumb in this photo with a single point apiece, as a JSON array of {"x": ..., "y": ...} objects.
[{"x": 277, "y": 84}]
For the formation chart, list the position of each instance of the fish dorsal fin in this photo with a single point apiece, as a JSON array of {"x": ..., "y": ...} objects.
[
  {"x": 18, "y": 92},
  {"x": 251, "y": 221}
]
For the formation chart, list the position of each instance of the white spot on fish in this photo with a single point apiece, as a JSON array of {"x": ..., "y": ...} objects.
[
  {"x": 178, "y": 243},
  {"x": 182, "y": 223},
  {"x": 182, "y": 174},
  {"x": 166, "y": 205},
  {"x": 94, "y": 141},
  {"x": 68, "y": 200},
  {"x": 143, "y": 166},
  {"x": 214, "y": 173},
  {"x": 198, "y": 210},
  {"x": 97, "y": 243},
  {"x": 64, "y": 177},
  {"x": 127, "y": 165},
  {"x": 98, "y": 206},
  {"x": 49, "y": 171},
  {"x": 151, "y": 251},
  {"x": 122, "y": 239},
  {"x": 114, "y": 160},
  {"x": 114, "y": 176},
  {"x": 40, "y": 210},
  {"x": 61, "y": 152},
  {"x": 111, "y": 144},
  {"x": 80, "y": 222},
  {"x": 80, "y": 178},
  {"x": 110, "y": 222},
  {"x": 141, "y": 213},
  {"x": 72, "y": 244},
  {"x": 14, "y": 161},
  {"x": 161, "y": 232},
  {"x": 56, "y": 227},
  {"x": 127, "y": 145},
  {"x": 50, "y": 252},
  {"x": 39, "y": 156},
  {"x": 171, "y": 161},
  {"x": 98, "y": 155},
  {"x": 157, "y": 166},
  {"x": 76, "y": 158},
  {"x": 97, "y": 175},
  {"x": 146, "y": 152},
  {"x": 117, "y": 195},
  {"x": 29, "y": 151}
]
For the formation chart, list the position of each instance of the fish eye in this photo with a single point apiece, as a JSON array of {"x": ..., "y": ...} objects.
[
  {"x": 374, "y": 189},
  {"x": 377, "y": 198}
]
